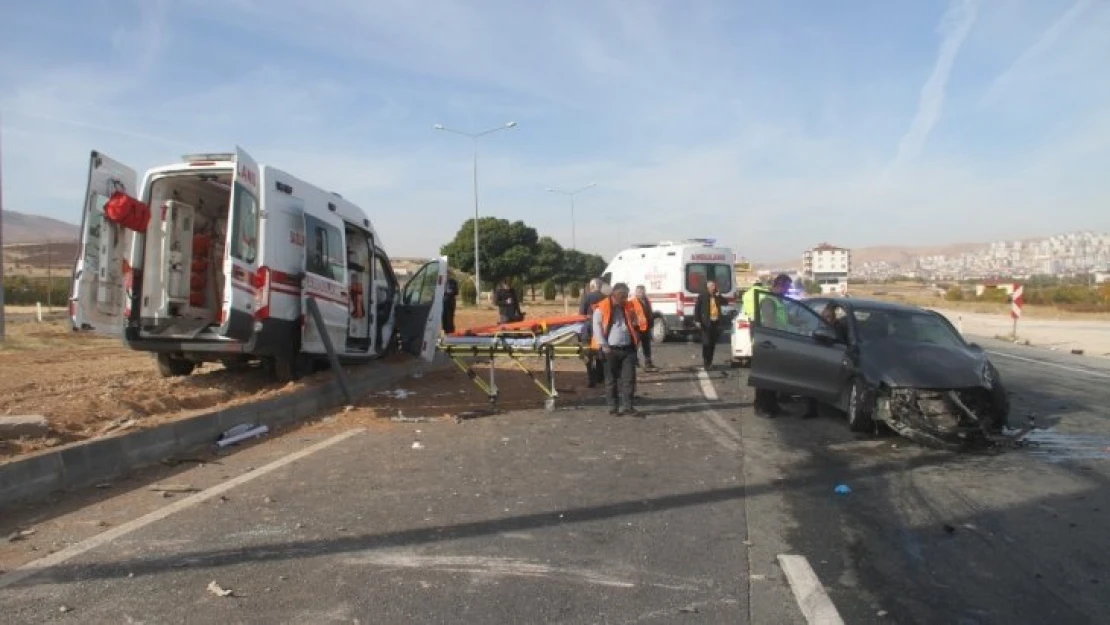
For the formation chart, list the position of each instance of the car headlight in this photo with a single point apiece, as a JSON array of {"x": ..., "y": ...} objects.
[{"x": 988, "y": 375}]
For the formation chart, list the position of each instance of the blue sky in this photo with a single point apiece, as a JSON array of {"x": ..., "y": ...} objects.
[{"x": 770, "y": 126}]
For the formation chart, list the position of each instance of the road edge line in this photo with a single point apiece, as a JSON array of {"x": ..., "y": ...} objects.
[
  {"x": 810, "y": 594},
  {"x": 42, "y": 564},
  {"x": 707, "y": 385},
  {"x": 1049, "y": 363}
]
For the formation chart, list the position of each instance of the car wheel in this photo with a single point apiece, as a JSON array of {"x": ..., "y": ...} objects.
[
  {"x": 170, "y": 366},
  {"x": 860, "y": 408},
  {"x": 658, "y": 330}
]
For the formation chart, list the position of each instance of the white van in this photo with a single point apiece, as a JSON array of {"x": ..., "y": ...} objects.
[
  {"x": 225, "y": 266},
  {"x": 674, "y": 273}
]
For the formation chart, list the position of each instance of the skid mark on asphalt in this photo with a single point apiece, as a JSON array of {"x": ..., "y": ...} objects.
[
  {"x": 508, "y": 567},
  {"x": 37, "y": 566}
]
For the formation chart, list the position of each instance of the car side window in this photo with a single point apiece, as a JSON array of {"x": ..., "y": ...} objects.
[
  {"x": 415, "y": 289},
  {"x": 787, "y": 315}
]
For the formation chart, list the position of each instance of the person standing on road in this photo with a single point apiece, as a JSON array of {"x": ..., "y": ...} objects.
[
  {"x": 616, "y": 329},
  {"x": 450, "y": 297},
  {"x": 644, "y": 310},
  {"x": 708, "y": 315},
  {"x": 772, "y": 314},
  {"x": 595, "y": 364},
  {"x": 508, "y": 305}
]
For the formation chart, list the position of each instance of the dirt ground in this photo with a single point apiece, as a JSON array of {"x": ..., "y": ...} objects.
[{"x": 88, "y": 386}]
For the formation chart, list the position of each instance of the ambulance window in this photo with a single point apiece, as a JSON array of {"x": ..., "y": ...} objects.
[
  {"x": 326, "y": 257},
  {"x": 697, "y": 274},
  {"x": 244, "y": 227}
]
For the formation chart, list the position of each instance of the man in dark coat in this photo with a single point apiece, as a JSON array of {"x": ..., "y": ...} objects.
[
  {"x": 644, "y": 302},
  {"x": 508, "y": 304},
  {"x": 450, "y": 299},
  {"x": 710, "y": 318},
  {"x": 595, "y": 365}
]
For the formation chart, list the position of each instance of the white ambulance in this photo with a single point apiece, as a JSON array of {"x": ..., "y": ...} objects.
[
  {"x": 225, "y": 265},
  {"x": 674, "y": 273}
]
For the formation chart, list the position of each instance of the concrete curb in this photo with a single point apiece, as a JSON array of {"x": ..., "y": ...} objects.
[{"x": 94, "y": 461}]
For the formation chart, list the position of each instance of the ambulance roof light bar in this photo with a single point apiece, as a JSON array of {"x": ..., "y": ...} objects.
[{"x": 215, "y": 156}]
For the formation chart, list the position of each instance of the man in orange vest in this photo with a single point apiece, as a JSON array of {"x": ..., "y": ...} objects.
[{"x": 616, "y": 335}]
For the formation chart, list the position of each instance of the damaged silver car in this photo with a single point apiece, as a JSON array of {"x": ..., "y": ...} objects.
[{"x": 900, "y": 365}]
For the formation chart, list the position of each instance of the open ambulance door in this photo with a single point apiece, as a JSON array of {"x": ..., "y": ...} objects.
[
  {"x": 102, "y": 275},
  {"x": 325, "y": 280},
  {"x": 242, "y": 282},
  {"x": 420, "y": 311}
]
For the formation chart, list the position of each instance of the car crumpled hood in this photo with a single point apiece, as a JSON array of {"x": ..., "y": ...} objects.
[{"x": 922, "y": 366}]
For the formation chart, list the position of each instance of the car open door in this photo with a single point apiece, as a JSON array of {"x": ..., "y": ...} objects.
[
  {"x": 101, "y": 276},
  {"x": 420, "y": 312},
  {"x": 794, "y": 350},
  {"x": 241, "y": 256},
  {"x": 325, "y": 280}
]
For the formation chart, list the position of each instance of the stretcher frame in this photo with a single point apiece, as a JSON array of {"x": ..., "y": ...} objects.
[{"x": 464, "y": 351}]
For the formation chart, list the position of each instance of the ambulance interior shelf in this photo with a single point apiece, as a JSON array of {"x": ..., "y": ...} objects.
[
  {"x": 359, "y": 289},
  {"x": 183, "y": 287}
]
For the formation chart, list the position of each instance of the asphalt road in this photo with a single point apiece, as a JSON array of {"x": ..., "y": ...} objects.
[{"x": 578, "y": 517}]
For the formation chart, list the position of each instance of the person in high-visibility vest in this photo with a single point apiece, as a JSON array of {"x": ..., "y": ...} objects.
[
  {"x": 772, "y": 314},
  {"x": 616, "y": 334}
]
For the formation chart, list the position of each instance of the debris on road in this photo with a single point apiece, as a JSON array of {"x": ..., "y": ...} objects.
[
  {"x": 690, "y": 609},
  {"x": 418, "y": 445},
  {"x": 396, "y": 394},
  {"x": 843, "y": 489},
  {"x": 240, "y": 433},
  {"x": 217, "y": 590},
  {"x": 17, "y": 426},
  {"x": 65, "y": 609},
  {"x": 174, "y": 488},
  {"x": 401, "y": 418},
  {"x": 949, "y": 529},
  {"x": 20, "y": 535}
]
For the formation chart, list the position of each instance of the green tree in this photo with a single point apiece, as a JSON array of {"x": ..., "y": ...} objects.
[
  {"x": 547, "y": 262},
  {"x": 506, "y": 248},
  {"x": 549, "y": 290},
  {"x": 467, "y": 292},
  {"x": 594, "y": 266},
  {"x": 954, "y": 294},
  {"x": 573, "y": 270}
]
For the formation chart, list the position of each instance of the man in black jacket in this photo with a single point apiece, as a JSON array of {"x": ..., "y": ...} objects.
[
  {"x": 450, "y": 299},
  {"x": 595, "y": 365},
  {"x": 645, "y": 339},
  {"x": 508, "y": 304},
  {"x": 710, "y": 317}
]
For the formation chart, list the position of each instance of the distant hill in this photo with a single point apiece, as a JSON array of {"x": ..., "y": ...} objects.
[
  {"x": 24, "y": 228},
  {"x": 896, "y": 254}
]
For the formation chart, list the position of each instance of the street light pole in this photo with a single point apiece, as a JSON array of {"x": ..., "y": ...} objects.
[
  {"x": 572, "y": 193},
  {"x": 474, "y": 136}
]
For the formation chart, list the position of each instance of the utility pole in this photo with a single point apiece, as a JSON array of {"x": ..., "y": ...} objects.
[{"x": 49, "y": 281}]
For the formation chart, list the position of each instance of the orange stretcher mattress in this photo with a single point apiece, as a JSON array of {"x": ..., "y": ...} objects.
[{"x": 535, "y": 326}]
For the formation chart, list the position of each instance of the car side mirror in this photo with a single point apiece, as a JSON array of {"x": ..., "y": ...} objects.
[
  {"x": 825, "y": 334},
  {"x": 975, "y": 346}
]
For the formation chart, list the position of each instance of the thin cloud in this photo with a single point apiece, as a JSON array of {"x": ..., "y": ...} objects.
[
  {"x": 954, "y": 28},
  {"x": 1048, "y": 38}
]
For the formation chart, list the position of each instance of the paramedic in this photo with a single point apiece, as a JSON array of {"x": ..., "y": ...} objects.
[
  {"x": 595, "y": 366},
  {"x": 616, "y": 328},
  {"x": 772, "y": 314},
  {"x": 708, "y": 316},
  {"x": 508, "y": 305},
  {"x": 450, "y": 296},
  {"x": 644, "y": 310}
]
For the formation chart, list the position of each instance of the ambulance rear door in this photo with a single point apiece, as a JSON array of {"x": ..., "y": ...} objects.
[{"x": 102, "y": 276}]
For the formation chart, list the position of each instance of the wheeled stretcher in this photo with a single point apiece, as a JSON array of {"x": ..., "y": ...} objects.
[{"x": 546, "y": 339}]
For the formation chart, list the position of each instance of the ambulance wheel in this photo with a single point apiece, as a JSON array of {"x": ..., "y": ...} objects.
[
  {"x": 171, "y": 366},
  {"x": 659, "y": 330},
  {"x": 290, "y": 363}
]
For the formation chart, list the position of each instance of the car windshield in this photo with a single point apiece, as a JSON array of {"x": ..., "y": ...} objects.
[{"x": 905, "y": 325}]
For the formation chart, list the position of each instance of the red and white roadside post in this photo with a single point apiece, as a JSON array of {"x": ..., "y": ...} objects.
[{"x": 1016, "y": 302}]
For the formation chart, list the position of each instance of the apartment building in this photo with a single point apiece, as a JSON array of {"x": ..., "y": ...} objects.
[{"x": 828, "y": 266}]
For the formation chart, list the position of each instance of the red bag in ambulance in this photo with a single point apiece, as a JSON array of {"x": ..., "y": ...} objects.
[{"x": 127, "y": 212}]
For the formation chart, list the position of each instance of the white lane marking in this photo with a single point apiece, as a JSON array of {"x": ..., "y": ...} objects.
[
  {"x": 42, "y": 564},
  {"x": 707, "y": 385},
  {"x": 808, "y": 591},
  {"x": 1048, "y": 363}
]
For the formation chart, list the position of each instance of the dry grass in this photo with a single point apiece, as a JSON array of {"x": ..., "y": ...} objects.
[{"x": 917, "y": 295}]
